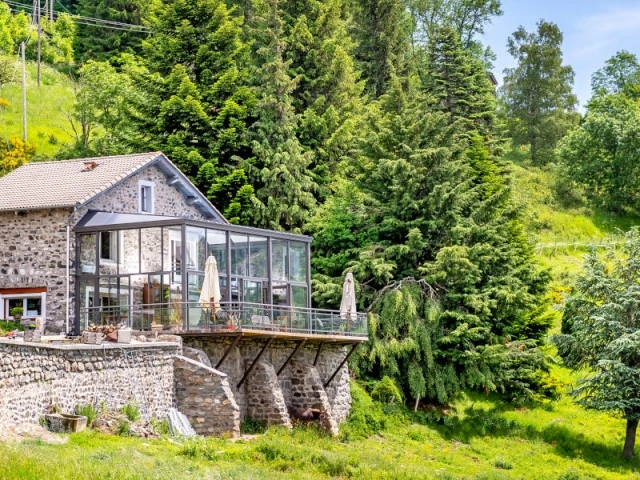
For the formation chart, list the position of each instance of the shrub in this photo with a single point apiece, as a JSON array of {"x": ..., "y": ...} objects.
[
  {"x": 502, "y": 464},
  {"x": 161, "y": 427},
  {"x": 87, "y": 410},
  {"x": 132, "y": 411},
  {"x": 252, "y": 426},
  {"x": 386, "y": 391},
  {"x": 124, "y": 428},
  {"x": 366, "y": 418}
]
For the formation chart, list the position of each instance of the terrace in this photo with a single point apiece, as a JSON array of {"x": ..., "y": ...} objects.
[{"x": 147, "y": 272}]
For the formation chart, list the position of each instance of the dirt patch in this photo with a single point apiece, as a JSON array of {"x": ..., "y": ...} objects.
[{"x": 30, "y": 431}]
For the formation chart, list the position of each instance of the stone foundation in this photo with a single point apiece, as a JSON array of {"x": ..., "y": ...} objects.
[
  {"x": 204, "y": 396},
  {"x": 264, "y": 396},
  {"x": 307, "y": 391},
  {"x": 338, "y": 393},
  {"x": 35, "y": 377}
]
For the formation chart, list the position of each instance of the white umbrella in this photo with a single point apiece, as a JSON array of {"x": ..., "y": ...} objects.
[
  {"x": 348, "y": 307},
  {"x": 210, "y": 293}
]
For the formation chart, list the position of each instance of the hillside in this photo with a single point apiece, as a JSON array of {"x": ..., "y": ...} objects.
[{"x": 47, "y": 125}]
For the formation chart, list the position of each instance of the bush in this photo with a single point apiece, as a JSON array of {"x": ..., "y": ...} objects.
[
  {"x": 386, "y": 391},
  {"x": 366, "y": 418},
  {"x": 132, "y": 411},
  {"x": 161, "y": 427},
  {"x": 88, "y": 411},
  {"x": 503, "y": 464},
  {"x": 124, "y": 428},
  {"x": 252, "y": 426}
]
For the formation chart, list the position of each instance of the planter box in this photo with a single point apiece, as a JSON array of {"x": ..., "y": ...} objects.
[
  {"x": 32, "y": 335},
  {"x": 65, "y": 423}
]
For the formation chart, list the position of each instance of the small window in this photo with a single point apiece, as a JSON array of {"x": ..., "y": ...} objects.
[
  {"x": 145, "y": 196},
  {"x": 109, "y": 246}
]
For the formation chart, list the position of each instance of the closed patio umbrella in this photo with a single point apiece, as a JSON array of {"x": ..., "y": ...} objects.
[
  {"x": 348, "y": 309},
  {"x": 210, "y": 293}
]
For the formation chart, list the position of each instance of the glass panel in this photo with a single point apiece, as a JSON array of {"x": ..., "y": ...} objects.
[
  {"x": 298, "y": 261},
  {"x": 279, "y": 260},
  {"x": 154, "y": 298},
  {"x": 223, "y": 289},
  {"x": 172, "y": 252},
  {"x": 34, "y": 307},
  {"x": 197, "y": 316},
  {"x": 257, "y": 257},
  {"x": 217, "y": 246},
  {"x": 150, "y": 239},
  {"x": 130, "y": 260},
  {"x": 88, "y": 253},
  {"x": 196, "y": 248},
  {"x": 235, "y": 289},
  {"x": 108, "y": 250},
  {"x": 87, "y": 313},
  {"x": 239, "y": 254},
  {"x": 15, "y": 303},
  {"x": 141, "y": 318},
  {"x": 112, "y": 301},
  {"x": 280, "y": 294},
  {"x": 252, "y": 291},
  {"x": 173, "y": 298},
  {"x": 299, "y": 296}
]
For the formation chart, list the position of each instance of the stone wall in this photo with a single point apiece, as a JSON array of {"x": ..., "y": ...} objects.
[
  {"x": 123, "y": 198},
  {"x": 307, "y": 392},
  {"x": 33, "y": 253},
  {"x": 204, "y": 396},
  {"x": 338, "y": 392},
  {"x": 264, "y": 397},
  {"x": 34, "y": 377},
  {"x": 33, "y": 244}
]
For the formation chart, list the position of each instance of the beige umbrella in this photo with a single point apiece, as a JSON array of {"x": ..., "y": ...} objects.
[
  {"x": 210, "y": 293},
  {"x": 348, "y": 309}
]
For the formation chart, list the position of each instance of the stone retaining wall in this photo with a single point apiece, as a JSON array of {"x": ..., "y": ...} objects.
[
  {"x": 204, "y": 396},
  {"x": 264, "y": 396},
  {"x": 307, "y": 391},
  {"x": 338, "y": 392},
  {"x": 33, "y": 377}
]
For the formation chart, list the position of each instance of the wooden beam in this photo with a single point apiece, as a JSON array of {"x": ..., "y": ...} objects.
[
  {"x": 353, "y": 349},
  {"x": 286, "y": 362},
  {"x": 228, "y": 351},
  {"x": 315, "y": 362},
  {"x": 253, "y": 364}
]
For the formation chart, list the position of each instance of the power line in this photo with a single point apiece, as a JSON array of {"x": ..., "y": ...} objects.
[{"x": 83, "y": 20}]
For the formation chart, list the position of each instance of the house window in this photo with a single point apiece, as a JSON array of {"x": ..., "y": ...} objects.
[
  {"x": 109, "y": 246},
  {"x": 32, "y": 304},
  {"x": 145, "y": 196}
]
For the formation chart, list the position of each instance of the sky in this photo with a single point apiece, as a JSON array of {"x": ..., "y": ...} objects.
[{"x": 593, "y": 32}]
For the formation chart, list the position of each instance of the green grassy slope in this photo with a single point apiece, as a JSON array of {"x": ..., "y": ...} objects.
[
  {"x": 47, "y": 126},
  {"x": 487, "y": 439}
]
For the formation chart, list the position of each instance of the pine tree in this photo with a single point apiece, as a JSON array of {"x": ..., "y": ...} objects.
[
  {"x": 96, "y": 43},
  {"x": 444, "y": 251},
  {"x": 284, "y": 188},
  {"x": 381, "y": 29},
  {"x": 198, "y": 99},
  {"x": 328, "y": 95}
]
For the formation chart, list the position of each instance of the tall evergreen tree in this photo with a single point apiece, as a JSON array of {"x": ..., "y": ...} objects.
[
  {"x": 279, "y": 165},
  {"x": 446, "y": 265},
  {"x": 328, "y": 95},
  {"x": 381, "y": 29},
  {"x": 99, "y": 43},
  {"x": 537, "y": 94}
]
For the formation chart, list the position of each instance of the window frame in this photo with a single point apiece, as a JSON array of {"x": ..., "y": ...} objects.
[
  {"x": 142, "y": 185},
  {"x": 25, "y": 297}
]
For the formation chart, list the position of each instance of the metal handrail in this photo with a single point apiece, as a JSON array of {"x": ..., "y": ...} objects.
[{"x": 227, "y": 316}]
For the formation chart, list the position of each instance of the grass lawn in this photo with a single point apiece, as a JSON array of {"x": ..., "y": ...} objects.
[
  {"x": 47, "y": 125},
  {"x": 485, "y": 438}
]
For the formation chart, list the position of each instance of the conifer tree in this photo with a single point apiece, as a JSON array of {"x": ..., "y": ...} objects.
[
  {"x": 381, "y": 29},
  {"x": 96, "y": 43},
  {"x": 279, "y": 165}
]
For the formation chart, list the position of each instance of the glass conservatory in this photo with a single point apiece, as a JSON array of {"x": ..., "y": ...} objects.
[{"x": 147, "y": 272}]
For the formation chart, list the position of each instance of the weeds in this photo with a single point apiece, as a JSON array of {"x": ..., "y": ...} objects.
[{"x": 131, "y": 411}]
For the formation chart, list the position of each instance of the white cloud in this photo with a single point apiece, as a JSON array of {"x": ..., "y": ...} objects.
[{"x": 616, "y": 21}]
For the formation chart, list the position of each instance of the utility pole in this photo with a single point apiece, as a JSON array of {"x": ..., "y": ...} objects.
[
  {"x": 24, "y": 94},
  {"x": 38, "y": 25}
]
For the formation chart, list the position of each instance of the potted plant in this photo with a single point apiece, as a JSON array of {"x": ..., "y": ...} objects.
[{"x": 16, "y": 312}]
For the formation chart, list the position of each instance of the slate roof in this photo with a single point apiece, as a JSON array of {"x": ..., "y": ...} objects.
[{"x": 66, "y": 183}]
